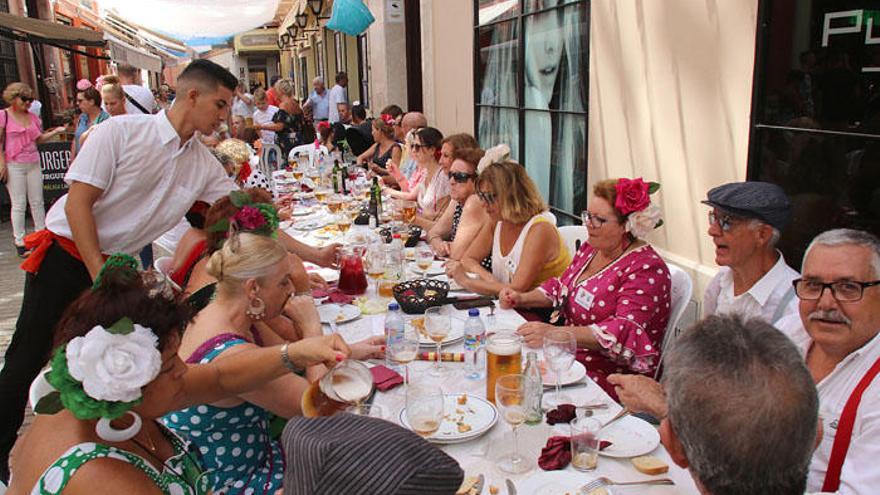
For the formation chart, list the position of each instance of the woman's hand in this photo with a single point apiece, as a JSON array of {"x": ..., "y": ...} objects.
[
  {"x": 640, "y": 394},
  {"x": 371, "y": 348},
  {"x": 509, "y": 298},
  {"x": 285, "y": 213},
  {"x": 327, "y": 255},
  {"x": 316, "y": 281},
  {"x": 440, "y": 247},
  {"x": 533, "y": 333},
  {"x": 454, "y": 269},
  {"x": 327, "y": 350},
  {"x": 302, "y": 312}
]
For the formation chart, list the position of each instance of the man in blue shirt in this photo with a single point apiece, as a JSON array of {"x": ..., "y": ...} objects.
[{"x": 319, "y": 101}]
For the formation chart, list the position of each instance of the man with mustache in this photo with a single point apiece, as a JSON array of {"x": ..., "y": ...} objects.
[
  {"x": 745, "y": 224},
  {"x": 836, "y": 333}
]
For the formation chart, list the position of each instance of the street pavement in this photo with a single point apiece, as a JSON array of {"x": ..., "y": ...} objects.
[{"x": 11, "y": 286}]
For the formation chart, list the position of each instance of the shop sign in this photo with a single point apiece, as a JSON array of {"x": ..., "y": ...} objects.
[{"x": 54, "y": 161}]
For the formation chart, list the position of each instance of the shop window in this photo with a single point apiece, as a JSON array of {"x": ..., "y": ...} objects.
[
  {"x": 816, "y": 114},
  {"x": 364, "y": 69},
  {"x": 531, "y": 60}
]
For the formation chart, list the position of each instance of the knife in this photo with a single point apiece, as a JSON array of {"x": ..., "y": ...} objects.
[{"x": 511, "y": 488}]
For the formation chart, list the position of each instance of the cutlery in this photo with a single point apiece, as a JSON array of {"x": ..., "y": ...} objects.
[
  {"x": 511, "y": 488},
  {"x": 586, "y": 407},
  {"x": 602, "y": 481},
  {"x": 478, "y": 486},
  {"x": 570, "y": 385},
  {"x": 623, "y": 412}
]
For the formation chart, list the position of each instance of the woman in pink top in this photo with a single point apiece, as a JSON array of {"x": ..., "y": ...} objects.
[{"x": 20, "y": 131}]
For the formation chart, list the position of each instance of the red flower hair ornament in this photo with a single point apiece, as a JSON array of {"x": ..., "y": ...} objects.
[{"x": 633, "y": 200}]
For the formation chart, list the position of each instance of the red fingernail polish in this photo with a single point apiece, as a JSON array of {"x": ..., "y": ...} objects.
[
  {"x": 340, "y": 358},
  {"x": 383, "y": 348}
]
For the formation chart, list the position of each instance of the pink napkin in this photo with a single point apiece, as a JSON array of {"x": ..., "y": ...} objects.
[
  {"x": 385, "y": 378},
  {"x": 333, "y": 296}
]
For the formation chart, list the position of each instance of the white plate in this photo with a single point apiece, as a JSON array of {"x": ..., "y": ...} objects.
[
  {"x": 575, "y": 373},
  {"x": 338, "y": 313},
  {"x": 309, "y": 225},
  {"x": 630, "y": 437},
  {"x": 302, "y": 211},
  {"x": 455, "y": 334},
  {"x": 556, "y": 482},
  {"x": 477, "y": 412}
]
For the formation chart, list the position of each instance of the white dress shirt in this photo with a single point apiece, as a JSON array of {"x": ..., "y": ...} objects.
[
  {"x": 337, "y": 95},
  {"x": 149, "y": 178},
  {"x": 761, "y": 300},
  {"x": 860, "y": 474}
]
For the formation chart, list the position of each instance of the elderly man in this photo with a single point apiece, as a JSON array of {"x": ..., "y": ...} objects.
[
  {"x": 338, "y": 94},
  {"x": 318, "y": 101},
  {"x": 745, "y": 223},
  {"x": 836, "y": 333},
  {"x": 742, "y": 408}
]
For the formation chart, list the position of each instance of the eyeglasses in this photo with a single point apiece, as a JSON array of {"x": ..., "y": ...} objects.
[
  {"x": 592, "y": 220},
  {"x": 486, "y": 197},
  {"x": 724, "y": 221},
  {"x": 841, "y": 291},
  {"x": 26, "y": 99},
  {"x": 461, "y": 177},
  {"x": 417, "y": 147}
]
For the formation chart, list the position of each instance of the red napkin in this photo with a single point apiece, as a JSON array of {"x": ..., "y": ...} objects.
[
  {"x": 556, "y": 454},
  {"x": 333, "y": 296},
  {"x": 385, "y": 378},
  {"x": 562, "y": 414}
]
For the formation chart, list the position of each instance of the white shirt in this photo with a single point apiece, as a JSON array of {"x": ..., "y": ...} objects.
[
  {"x": 141, "y": 95},
  {"x": 265, "y": 117},
  {"x": 761, "y": 300},
  {"x": 504, "y": 267},
  {"x": 860, "y": 474},
  {"x": 149, "y": 181},
  {"x": 337, "y": 95},
  {"x": 242, "y": 109}
]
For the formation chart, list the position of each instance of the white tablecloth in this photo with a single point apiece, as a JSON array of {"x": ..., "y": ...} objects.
[{"x": 478, "y": 456}]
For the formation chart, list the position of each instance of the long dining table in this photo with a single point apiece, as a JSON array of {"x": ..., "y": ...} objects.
[{"x": 478, "y": 456}]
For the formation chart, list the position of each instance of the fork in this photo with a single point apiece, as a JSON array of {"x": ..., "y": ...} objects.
[{"x": 602, "y": 481}]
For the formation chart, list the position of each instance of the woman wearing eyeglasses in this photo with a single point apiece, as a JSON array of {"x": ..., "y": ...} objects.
[
  {"x": 615, "y": 295},
  {"x": 432, "y": 193},
  {"x": 461, "y": 222},
  {"x": 20, "y": 132},
  {"x": 521, "y": 236}
]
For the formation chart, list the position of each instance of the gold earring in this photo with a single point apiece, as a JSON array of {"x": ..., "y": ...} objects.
[{"x": 256, "y": 309}]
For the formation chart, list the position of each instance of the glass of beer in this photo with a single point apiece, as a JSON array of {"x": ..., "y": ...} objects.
[
  {"x": 510, "y": 397},
  {"x": 503, "y": 357},
  {"x": 408, "y": 208},
  {"x": 424, "y": 409}
]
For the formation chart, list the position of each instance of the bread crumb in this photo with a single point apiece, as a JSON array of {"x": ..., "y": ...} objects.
[
  {"x": 462, "y": 399},
  {"x": 464, "y": 427},
  {"x": 493, "y": 489}
]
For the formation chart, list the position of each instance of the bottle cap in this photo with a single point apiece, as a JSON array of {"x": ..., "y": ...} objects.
[
  {"x": 393, "y": 306},
  {"x": 473, "y": 312}
]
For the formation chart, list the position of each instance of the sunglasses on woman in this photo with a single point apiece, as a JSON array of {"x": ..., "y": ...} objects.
[
  {"x": 26, "y": 99},
  {"x": 461, "y": 177}
]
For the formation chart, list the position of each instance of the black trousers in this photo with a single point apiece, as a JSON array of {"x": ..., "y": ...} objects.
[{"x": 60, "y": 280}]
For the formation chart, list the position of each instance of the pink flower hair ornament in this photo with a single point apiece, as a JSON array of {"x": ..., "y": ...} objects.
[
  {"x": 633, "y": 200},
  {"x": 83, "y": 84}
]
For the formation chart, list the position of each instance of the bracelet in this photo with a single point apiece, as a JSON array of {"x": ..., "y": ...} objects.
[{"x": 285, "y": 358}]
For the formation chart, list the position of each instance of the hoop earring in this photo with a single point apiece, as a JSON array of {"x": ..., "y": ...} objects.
[
  {"x": 106, "y": 431},
  {"x": 256, "y": 309}
]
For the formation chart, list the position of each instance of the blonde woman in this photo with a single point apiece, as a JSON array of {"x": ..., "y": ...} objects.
[
  {"x": 113, "y": 98},
  {"x": 20, "y": 132},
  {"x": 521, "y": 237}
]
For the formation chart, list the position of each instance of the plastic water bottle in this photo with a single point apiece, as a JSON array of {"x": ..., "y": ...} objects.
[
  {"x": 394, "y": 332},
  {"x": 395, "y": 259},
  {"x": 474, "y": 343},
  {"x": 534, "y": 389}
]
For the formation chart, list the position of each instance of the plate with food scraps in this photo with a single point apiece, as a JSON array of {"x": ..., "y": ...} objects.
[
  {"x": 465, "y": 417},
  {"x": 455, "y": 334},
  {"x": 559, "y": 482},
  {"x": 327, "y": 232},
  {"x": 339, "y": 313},
  {"x": 310, "y": 224},
  {"x": 573, "y": 374},
  {"x": 629, "y": 437}
]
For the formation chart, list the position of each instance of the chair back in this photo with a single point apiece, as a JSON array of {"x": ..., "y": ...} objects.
[
  {"x": 682, "y": 290},
  {"x": 573, "y": 236},
  {"x": 310, "y": 150},
  {"x": 163, "y": 266}
]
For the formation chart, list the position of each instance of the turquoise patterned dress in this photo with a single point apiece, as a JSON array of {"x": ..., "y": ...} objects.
[{"x": 234, "y": 441}]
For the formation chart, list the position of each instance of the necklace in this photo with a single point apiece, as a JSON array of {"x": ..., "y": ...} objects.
[{"x": 152, "y": 446}]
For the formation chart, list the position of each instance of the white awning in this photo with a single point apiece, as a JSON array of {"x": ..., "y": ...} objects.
[{"x": 125, "y": 53}]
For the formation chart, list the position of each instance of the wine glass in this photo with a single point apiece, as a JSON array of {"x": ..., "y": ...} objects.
[
  {"x": 374, "y": 259},
  {"x": 408, "y": 209},
  {"x": 560, "y": 347},
  {"x": 424, "y": 258},
  {"x": 424, "y": 409},
  {"x": 404, "y": 349},
  {"x": 343, "y": 222},
  {"x": 510, "y": 397},
  {"x": 438, "y": 322}
]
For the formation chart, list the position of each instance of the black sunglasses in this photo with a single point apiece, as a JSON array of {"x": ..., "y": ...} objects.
[
  {"x": 26, "y": 99},
  {"x": 461, "y": 177}
]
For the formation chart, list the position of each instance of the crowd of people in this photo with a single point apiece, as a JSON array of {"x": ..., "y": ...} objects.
[{"x": 770, "y": 392}]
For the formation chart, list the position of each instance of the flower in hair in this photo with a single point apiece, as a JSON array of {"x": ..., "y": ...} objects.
[
  {"x": 249, "y": 218},
  {"x": 387, "y": 118},
  {"x": 323, "y": 125},
  {"x": 495, "y": 154},
  {"x": 633, "y": 199},
  {"x": 83, "y": 84}
]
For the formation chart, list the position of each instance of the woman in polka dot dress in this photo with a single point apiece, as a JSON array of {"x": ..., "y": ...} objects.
[
  {"x": 253, "y": 284},
  {"x": 615, "y": 295}
]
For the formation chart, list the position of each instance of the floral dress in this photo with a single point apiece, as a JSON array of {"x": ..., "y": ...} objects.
[
  {"x": 626, "y": 305},
  {"x": 234, "y": 441},
  {"x": 181, "y": 474}
]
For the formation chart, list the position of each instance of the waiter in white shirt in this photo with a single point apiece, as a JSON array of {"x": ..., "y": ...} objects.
[
  {"x": 133, "y": 180},
  {"x": 337, "y": 95},
  {"x": 836, "y": 333},
  {"x": 745, "y": 223}
]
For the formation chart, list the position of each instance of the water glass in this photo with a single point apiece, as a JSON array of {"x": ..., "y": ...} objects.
[
  {"x": 585, "y": 443},
  {"x": 424, "y": 408},
  {"x": 560, "y": 347}
]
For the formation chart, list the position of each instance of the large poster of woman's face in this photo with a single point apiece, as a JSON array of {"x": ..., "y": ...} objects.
[{"x": 553, "y": 104}]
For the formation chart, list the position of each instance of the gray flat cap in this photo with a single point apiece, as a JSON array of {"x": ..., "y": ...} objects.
[
  {"x": 359, "y": 455},
  {"x": 762, "y": 200}
]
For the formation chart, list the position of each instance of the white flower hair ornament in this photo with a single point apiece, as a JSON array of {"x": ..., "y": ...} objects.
[
  {"x": 633, "y": 199},
  {"x": 495, "y": 154}
]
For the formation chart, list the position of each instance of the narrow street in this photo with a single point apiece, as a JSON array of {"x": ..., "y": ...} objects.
[{"x": 11, "y": 287}]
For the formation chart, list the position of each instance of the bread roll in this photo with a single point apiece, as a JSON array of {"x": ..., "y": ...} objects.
[{"x": 649, "y": 464}]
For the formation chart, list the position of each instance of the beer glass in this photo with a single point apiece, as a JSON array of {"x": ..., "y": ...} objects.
[{"x": 503, "y": 357}]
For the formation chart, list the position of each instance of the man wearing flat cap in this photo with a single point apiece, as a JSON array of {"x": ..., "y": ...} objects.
[{"x": 745, "y": 223}]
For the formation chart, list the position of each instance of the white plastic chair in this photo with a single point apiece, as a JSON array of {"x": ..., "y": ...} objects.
[
  {"x": 571, "y": 234},
  {"x": 310, "y": 150},
  {"x": 682, "y": 290},
  {"x": 163, "y": 266}
]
